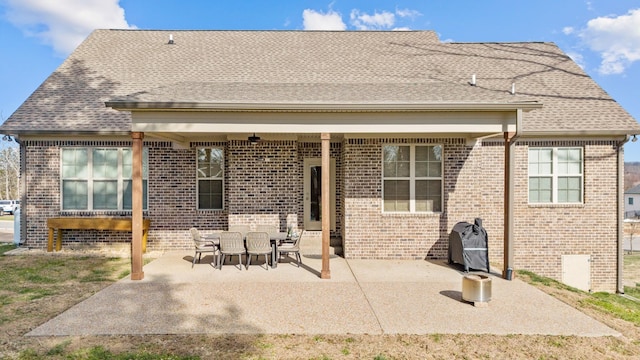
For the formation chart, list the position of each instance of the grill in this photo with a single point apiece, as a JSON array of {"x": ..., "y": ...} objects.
[{"x": 468, "y": 246}]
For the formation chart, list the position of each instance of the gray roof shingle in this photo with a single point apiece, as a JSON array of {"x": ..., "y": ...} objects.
[{"x": 284, "y": 67}]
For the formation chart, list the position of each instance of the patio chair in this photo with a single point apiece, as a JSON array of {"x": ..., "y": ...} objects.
[
  {"x": 258, "y": 243},
  {"x": 243, "y": 229},
  {"x": 287, "y": 248},
  {"x": 269, "y": 229},
  {"x": 231, "y": 243},
  {"x": 202, "y": 245}
]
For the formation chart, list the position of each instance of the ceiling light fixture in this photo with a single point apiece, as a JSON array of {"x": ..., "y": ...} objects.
[{"x": 254, "y": 139}]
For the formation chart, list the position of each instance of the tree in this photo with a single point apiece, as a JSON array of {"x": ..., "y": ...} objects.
[
  {"x": 9, "y": 169},
  {"x": 634, "y": 228}
]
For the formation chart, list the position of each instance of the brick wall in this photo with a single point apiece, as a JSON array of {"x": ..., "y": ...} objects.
[
  {"x": 263, "y": 180},
  {"x": 474, "y": 187},
  {"x": 544, "y": 233},
  {"x": 372, "y": 234}
]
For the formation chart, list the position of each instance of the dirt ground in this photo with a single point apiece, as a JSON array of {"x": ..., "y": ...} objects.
[{"x": 90, "y": 274}]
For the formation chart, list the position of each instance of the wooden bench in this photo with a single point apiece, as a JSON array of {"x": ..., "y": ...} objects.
[{"x": 86, "y": 223}]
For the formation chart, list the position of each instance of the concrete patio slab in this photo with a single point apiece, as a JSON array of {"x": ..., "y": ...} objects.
[{"x": 362, "y": 297}]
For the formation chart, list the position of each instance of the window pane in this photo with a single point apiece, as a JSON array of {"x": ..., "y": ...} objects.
[
  {"x": 396, "y": 195},
  {"x": 396, "y": 161},
  {"x": 422, "y": 169},
  {"x": 217, "y": 163},
  {"x": 105, "y": 163},
  {"x": 435, "y": 169},
  {"x": 540, "y": 190},
  {"x": 540, "y": 161},
  {"x": 105, "y": 195},
  {"x": 389, "y": 169},
  {"x": 74, "y": 195},
  {"x": 428, "y": 195},
  {"x": 209, "y": 194},
  {"x": 127, "y": 194},
  {"x": 569, "y": 161},
  {"x": 428, "y": 162},
  {"x": 569, "y": 189},
  {"x": 210, "y": 163},
  {"x": 403, "y": 169},
  {"x": 74, "y": 163},
  {"x": 127, "y": 163},
  {"x": 436, "y": 153}
]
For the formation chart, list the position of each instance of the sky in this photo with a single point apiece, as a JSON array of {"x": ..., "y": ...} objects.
[{"x": 602, "y": 36}]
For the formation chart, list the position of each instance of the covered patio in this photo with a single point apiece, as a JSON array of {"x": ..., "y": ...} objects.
[{"x": 188, "y": 123}]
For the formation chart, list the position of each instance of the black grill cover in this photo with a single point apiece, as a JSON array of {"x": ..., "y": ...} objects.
[{"x": 468, "y": 245}]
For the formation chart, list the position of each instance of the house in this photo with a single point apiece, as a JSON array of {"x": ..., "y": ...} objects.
[
  {"x": 632, "y": 202},
  {"x": 384, "y": 140}
]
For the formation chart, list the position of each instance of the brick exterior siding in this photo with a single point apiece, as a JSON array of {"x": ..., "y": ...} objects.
[{"x": 263, "y": 184}]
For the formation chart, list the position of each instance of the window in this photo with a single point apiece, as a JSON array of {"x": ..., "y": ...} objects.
[
  {"x": 630, "y": 201},
  {"x": 99, "y": 178},
  {"x": 412, "y": 178},
  {"x": 555, "y": 175},
  {"x": 210, "y": 175}
]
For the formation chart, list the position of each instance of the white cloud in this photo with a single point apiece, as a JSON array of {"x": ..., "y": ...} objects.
[
  {"x": 377, "y": 21},
  {"x": 317, "y": 20},
  {"x": 577, "y": 58},
  {"x": 617, "y": 39},
  {"x": 568, "y": 30},
  {"x": 408, "y": 13},
  {"x": 332, "y": 20},
  {"x": 64, "y": 24}
]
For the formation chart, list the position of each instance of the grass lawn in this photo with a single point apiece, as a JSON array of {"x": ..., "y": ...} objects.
[{"x": 34, "y": 288}]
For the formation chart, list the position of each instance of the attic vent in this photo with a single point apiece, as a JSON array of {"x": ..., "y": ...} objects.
[{"x": 171, "y": 39}]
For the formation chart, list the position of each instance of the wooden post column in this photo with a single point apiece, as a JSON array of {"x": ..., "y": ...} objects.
[
  {"x": 136, "y": 210},
  {"x": 326, "y": 204}
]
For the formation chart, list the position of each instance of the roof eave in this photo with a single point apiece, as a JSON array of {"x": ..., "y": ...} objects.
[
  {"x": 321, "y": 107},
  {"x": 585, "y": 133}
]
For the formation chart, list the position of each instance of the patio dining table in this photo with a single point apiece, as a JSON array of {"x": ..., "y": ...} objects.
[{"x": 275, "y": 238}]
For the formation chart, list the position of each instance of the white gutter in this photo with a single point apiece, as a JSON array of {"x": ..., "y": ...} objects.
[
  {"x": 509, "y": 198},
  {"x": 322, "y": 107},
  {"x": 620, "y": 217}
]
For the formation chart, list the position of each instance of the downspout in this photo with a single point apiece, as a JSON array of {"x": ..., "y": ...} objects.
[
  {"x": 620, "y": 212},
  {"x": 22, "y": 189},
  {"x": 508, "y": 197}
]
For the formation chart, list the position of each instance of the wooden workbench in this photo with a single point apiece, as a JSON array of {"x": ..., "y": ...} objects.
[{"x": 87, "y": 223}]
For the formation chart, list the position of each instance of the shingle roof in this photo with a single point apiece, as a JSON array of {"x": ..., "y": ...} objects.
[
  {"x": 633, "y": 190},
  {"x": 312, "y": 67}
]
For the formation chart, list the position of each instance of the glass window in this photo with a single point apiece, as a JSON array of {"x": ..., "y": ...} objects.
[
  {"x": 555, "y": 175},
  {"x": 127, "y": 175},
  {"x": 99, "y": 178},
  {"x": 412, "y": 178},
  {"x": 210, "y": 175}
]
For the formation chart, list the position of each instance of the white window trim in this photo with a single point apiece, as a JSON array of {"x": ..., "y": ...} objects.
[
  {"x": 554, "y": 175},
  {"x": 90, "y": 179},
  {"x": 210, "y": 178},
  {"x": 412, "y": 179}
]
